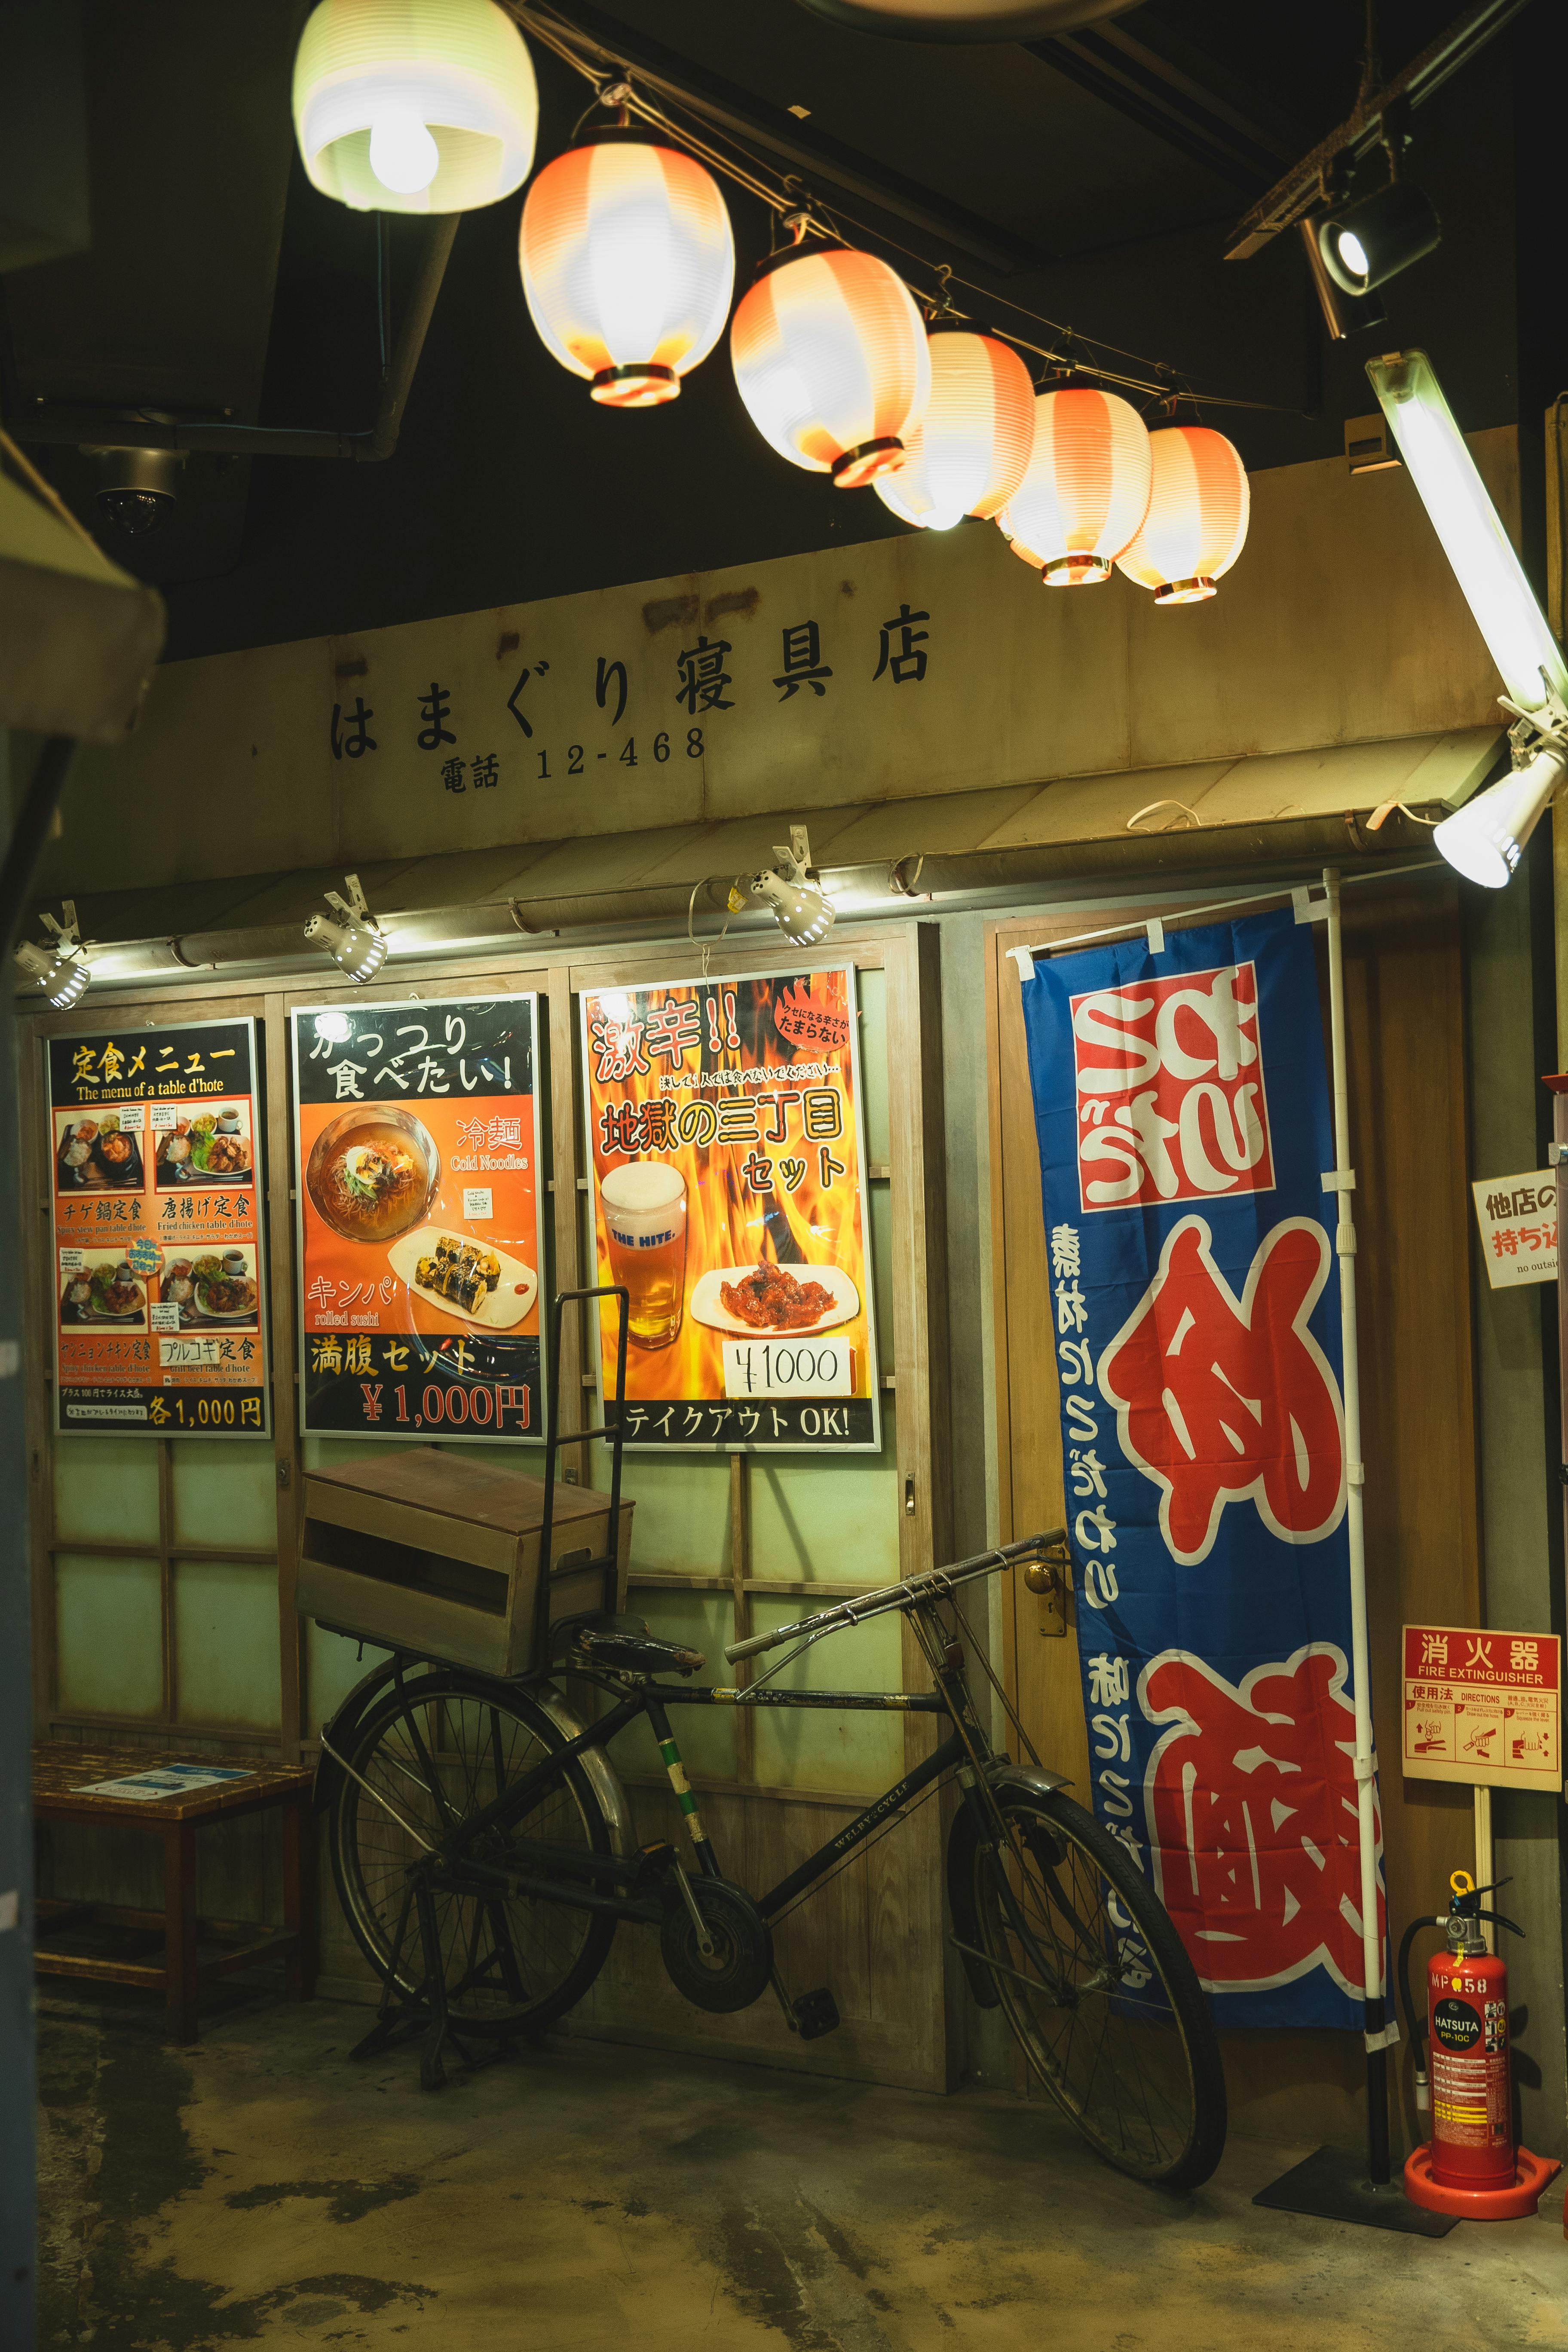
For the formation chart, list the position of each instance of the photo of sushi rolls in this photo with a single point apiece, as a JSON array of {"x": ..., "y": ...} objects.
[{"x": 458, "y": 1271}]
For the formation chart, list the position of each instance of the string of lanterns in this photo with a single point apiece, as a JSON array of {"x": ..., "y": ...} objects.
[{"x": 627, "y": 261}]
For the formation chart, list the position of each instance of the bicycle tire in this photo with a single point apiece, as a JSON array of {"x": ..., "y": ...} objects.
[
  {"x": 1146, "y": 2087},
  {"x": 511, "y": 1965}
]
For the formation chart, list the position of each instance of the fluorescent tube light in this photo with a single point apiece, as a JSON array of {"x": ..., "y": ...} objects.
[{"x": 1471, "y": 531}]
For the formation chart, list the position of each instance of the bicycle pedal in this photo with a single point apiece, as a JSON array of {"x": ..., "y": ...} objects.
[{"x": 816, "y": 2013}]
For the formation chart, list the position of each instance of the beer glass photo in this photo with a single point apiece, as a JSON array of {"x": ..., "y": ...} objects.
[{"x": 644, "y": 1218}]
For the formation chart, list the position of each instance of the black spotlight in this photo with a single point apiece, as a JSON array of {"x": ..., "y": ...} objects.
[{"x": 1372, "y": 241}]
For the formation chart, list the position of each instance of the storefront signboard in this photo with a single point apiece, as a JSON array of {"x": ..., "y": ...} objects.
[
  {"x": 157, "y": 1183},
  {"x": 1483, "y": 1706},
  {"x": 1183, "y": 1113},
  {"x": 419, "y": 1201},
  {"x": 1518, "y": 1220},
  {"x": 729, "y": 1172}
]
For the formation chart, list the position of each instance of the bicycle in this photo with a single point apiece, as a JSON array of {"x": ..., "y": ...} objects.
[{"x": 481, "y": 1848}]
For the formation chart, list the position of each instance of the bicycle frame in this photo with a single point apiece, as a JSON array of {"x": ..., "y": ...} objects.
[{"x": 582, "y": 1880}]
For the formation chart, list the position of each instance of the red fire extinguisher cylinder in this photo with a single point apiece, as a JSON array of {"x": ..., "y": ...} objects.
[{"x": 1466, "y": 2025}]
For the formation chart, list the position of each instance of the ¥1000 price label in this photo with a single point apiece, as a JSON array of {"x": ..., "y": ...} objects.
[{"x": 780, "y": 1368}]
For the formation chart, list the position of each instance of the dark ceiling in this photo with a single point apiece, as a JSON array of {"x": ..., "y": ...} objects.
[{"x": 1091, "y": 178}]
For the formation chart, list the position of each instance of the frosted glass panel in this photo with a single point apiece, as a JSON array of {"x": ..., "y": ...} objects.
[
  {"x": 106, "y": 1489},
  {"x": 225, "y": 1643},
  {"x": 225, "y": 1492},
  {"x": 109, "y": 1629},
  {"x": 819, "y": 1750},
  {"x": 333, "y": 1666},
  {"x": 704, "y": 1735},
  {"x": 873, "y": 992},
  {"x": 826, "y": 1515},
  {"x": 682, "y": 1518}
]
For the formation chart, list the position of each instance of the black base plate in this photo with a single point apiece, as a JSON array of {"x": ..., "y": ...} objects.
[{"x": 1335, "y": 2188}]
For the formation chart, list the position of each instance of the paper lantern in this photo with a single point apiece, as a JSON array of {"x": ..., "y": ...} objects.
[
  {"x": 413, "y": 106},
  {"x": 627, "y": 264},
  {"x": 1085, "y": 491},
  {"x": 1197, "y": 523},
  {"x": 968, "y": 453},
  {"x": 831, "y": 358}
]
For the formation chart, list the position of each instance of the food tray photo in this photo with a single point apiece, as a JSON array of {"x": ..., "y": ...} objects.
[{"x": 497, "y": 1307}]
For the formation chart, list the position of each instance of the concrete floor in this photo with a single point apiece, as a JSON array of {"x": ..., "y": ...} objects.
[{"x": 259, "y": 2190}]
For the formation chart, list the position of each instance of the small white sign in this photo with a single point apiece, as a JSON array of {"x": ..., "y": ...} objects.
[
  {"x": 72, "y": 1261},
  {"x": 130, "y": 1116},
  {"x": 788, "y": 1368},
  {"x": 1518, "y": 1221},
  {"x": 163, "y": 1780},
  {"x": 188, "y": 1351},
  {"x": 477, "y": 1202},
  {"x": 167, "y": 1317},
  {"x": 164, "y": 1116}
]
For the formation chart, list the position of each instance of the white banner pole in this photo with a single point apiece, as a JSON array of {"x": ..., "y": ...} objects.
[{"x": 1342, "y": 1184}]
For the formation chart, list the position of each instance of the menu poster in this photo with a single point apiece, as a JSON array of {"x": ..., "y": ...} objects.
[
  {"x": 419, "y": 1212},
  {"x": 156, "y": 1191},
  {"x": 725, "y": 1137}
]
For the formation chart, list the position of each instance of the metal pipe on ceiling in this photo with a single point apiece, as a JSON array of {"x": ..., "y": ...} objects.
[
  {"x": 982, "y": 878},
  {"x": 115, "y": 429}
]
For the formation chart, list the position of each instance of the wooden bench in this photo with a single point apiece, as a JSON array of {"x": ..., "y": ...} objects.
[{"x": 62, "y": 1772}]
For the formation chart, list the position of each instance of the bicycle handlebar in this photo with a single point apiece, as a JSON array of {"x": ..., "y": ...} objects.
[{"x": 930, "y": 1586}]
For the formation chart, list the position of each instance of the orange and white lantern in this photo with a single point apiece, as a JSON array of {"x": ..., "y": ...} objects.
[
  {"x": 967, "y": 453},
  {"x": 831, "y": 358},
  {"x": 1197, "y": 523},
  {"x": 628, "y": 264},
  {"x": 1086, "y": 488}
]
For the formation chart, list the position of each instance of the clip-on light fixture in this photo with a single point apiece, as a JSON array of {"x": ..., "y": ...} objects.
[{"x": 357, "y": 944}]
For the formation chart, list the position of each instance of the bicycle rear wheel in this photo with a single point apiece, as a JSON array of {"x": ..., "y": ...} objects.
[
  {"x": 437, "y": 1751},
  {"x": 1098, "y": 1989}
]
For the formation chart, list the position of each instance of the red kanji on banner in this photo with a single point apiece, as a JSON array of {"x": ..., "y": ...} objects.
[
  {"x": 1252, "y": 1818},
  {"x": 1171, "y": 1101},
  {"x": 1219, "y": 1399}
]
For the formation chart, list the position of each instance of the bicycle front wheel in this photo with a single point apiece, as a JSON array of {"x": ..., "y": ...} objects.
[
  {"x": 1098, "y": 1989},
  {"x": 428, "y": 1756}
]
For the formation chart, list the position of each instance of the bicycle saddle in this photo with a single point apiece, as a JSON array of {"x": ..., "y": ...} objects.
[{"x": 600, "y": 1640}]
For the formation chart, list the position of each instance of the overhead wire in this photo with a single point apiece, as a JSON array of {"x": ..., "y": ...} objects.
[{"x": 790, "y": 197}]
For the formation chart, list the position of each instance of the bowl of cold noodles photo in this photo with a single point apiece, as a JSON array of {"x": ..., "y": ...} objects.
[{"x": 373, "y": 1173}]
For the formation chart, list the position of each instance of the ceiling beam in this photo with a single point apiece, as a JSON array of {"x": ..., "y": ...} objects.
[
  {"x": 1309, "y": 183},
  {"x": 1147, "y": 89},
  {"x": 813, "y": 153}
]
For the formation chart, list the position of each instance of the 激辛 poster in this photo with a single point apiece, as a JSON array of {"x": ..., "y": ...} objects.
[
  {"x": 419, "y": 1199},
  {"x": 160, "y": 1279},
  {"x": 725, "y": 1137}
]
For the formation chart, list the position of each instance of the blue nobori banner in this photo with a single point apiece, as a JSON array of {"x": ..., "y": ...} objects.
[{"x": 1182, "y": 1107}]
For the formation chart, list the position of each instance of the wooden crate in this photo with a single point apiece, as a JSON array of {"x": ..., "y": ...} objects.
[{"x": 438, "y": 1552}]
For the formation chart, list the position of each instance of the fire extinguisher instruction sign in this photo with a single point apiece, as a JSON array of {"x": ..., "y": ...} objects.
[{"x": 1483, "y": 1706}]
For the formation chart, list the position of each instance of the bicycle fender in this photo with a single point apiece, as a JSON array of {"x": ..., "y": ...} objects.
[
  {"x": 963, "y": 1838},
  {"x": 341, "y": 1723},
  {"x": 593, "y": 1763}
]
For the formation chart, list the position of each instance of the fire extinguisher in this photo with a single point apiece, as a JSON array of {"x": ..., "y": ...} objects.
[{"x": 1470, "y": 2165}]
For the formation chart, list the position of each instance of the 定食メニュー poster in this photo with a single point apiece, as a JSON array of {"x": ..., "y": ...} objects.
[{"x": 156, "y": 1189}]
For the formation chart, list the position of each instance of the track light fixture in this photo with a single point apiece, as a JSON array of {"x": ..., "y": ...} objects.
[
  {"x": 60, "y": 970},
  {"x": 357, "y": 945},
  {"x": 1372, "y": 241},
  {"x": 803, "y": 912}
]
